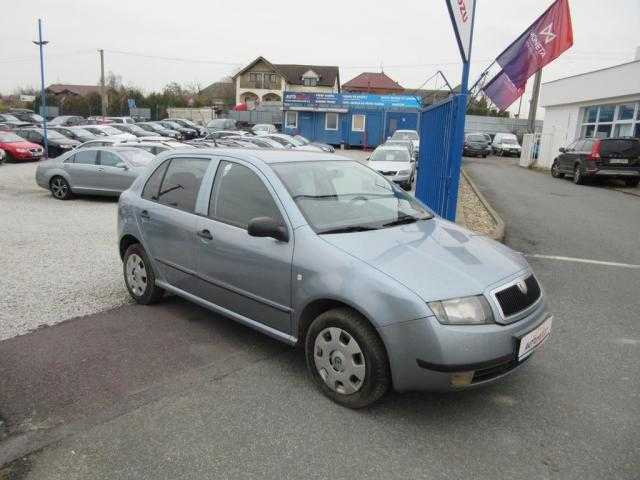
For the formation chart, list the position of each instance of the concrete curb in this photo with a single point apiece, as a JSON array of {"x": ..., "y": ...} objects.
[{"x": 499, "y": 231}]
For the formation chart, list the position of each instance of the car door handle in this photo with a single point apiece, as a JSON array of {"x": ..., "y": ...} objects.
[
  {"x": 145, "y": 215},
  {"x": 206, "y": 234},
  {"x": 101, "y": 169}
]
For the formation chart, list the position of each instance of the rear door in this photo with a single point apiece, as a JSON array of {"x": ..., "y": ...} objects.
[
  {"x": 168, "y": 221},
  {"x": 82, "y": 168},
  {"x": 566, "y": 158},
  {"x": 247, "y": 275}
]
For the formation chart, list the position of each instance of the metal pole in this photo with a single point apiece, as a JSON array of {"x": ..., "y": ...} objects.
[
  {"x": 43, "y": 97},
  {"x": 455, "y": 162},
  {"x": 533, "y": 104},
  {"x": 103, "y": 93}
]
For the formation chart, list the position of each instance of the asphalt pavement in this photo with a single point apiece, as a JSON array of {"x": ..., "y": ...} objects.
[{"x": 173, "y": 391}]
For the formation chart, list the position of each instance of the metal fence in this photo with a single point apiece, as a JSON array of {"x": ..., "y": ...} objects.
[{"x": 436, "y": 184}]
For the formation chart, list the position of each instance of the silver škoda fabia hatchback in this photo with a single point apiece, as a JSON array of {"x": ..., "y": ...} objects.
[{"x": 320, "y": 251}]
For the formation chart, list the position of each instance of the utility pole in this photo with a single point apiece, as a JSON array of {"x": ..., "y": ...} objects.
[
  {"x": 533, "y": 104},
  {"x": 103, "y": 92},
  {"x": 43, "y": 98}
]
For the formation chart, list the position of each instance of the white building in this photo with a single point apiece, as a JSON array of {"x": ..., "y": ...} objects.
[{"x": 603, "y": 103}]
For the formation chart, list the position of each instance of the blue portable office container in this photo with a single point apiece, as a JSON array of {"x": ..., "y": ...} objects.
[{"x": 353, "y": 120}]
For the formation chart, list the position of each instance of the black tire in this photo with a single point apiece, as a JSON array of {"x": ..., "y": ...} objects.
[
  {"x": 377, "y": 376},
  {"x": 151, "y": 293},
  {"x": 578, "y": 175},
  {"x": 555, "y": 170},
  {"x": 632, "y": 182},
  {"x": 60, "y": 188}
]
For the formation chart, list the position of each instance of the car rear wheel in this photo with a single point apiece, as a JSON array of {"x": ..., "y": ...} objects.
[
  {"x": 578, "y": 175},
  {"x": 346, "y": 358},
  {"x": 139, "y": 276},
  {"x": 60, "y": 188},
  {"x": 555, "y": 171}
]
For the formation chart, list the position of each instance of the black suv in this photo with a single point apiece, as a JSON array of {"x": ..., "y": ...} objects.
[
  {"x": 593, "y": 158},
  {"x": 477, "y": 144}
]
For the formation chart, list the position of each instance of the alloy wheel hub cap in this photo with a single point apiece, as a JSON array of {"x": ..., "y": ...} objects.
[{"x": 339, "y": 360}]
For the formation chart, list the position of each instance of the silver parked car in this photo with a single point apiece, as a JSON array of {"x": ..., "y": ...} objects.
[
  {"x": 92, "y": 171},
  {"x": 317, "y": 250},
  {"x": 394, "y": 162}
]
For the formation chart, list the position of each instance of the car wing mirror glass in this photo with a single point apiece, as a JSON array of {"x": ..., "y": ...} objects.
[{"x": 267, "y": 227}]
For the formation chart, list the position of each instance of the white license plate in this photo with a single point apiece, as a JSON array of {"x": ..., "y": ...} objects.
[
  {"x": 620, "y": 161},
  {"x": 534, "y": 339}
]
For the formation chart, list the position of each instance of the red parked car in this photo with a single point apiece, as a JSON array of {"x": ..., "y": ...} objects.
[{"x": 17, "y": 148}]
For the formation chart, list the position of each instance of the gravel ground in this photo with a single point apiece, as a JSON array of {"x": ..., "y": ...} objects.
[
  {"x": 59, "y": 259},
  {"x": 476, "y": 216}
]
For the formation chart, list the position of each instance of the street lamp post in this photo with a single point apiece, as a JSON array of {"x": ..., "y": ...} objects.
[{"x": 43, "y": 99}]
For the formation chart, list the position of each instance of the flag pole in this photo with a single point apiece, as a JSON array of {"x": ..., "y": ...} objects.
[{"x": 533, "y": 103}]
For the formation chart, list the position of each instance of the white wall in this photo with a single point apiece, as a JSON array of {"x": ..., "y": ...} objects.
[
  {"x": 619, "y": 81},
  {"x": 560, "y": 128}
]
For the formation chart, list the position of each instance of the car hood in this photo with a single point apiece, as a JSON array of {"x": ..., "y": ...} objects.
[
  {"x": 390, "y": 166},
  {"x": 10, "y": 146},
  {"x": 434, "y": 258}
]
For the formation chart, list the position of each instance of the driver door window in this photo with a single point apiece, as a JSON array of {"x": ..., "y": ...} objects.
[
  {"x": 239, "y": 195},
  {"x": 108, "y": 159}
]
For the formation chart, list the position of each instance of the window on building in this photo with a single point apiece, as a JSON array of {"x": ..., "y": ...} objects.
[
  {"x": 256, "y": 79},
  {"x": 291, "y": 119},
  {"x": 358, "y": 123},
  {"x": 239, "y": 196},
  {"x": 602, "y": 121},
  {"x": 310, "y": 82},
  {"x": 331, "y": 121}
]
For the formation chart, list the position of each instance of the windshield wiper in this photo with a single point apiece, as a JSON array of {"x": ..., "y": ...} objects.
[
  {"x": 404, "y": 220},
  {"x": 349, "y": 229}
]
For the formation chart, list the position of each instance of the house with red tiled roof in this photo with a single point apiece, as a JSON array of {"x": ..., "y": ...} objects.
[
  {"x": 373, "y": 82},
  {"x": 67, "y": 89}
]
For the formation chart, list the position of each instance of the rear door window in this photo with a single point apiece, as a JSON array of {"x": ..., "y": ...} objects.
[
  {"x": 181, "y": 183},
  {"x": 152, "y": 187},
  {"x": 109, "y": 159}
]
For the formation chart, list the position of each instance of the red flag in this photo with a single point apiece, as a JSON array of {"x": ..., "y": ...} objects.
[
  {"x": 549, "y": 36},
  {"x": 502, "y": 91}
]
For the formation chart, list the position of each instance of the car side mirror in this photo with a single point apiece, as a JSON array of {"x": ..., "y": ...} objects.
[
  {"x": 122, "y": 165},
  {"x": 267, "y": 227},
  {"x": 562, "y": 150}
]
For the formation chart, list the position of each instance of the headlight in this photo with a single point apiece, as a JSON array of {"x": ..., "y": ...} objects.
[
  {"x": 404, "y": 172},
  {"x": 463, "y": 311}
]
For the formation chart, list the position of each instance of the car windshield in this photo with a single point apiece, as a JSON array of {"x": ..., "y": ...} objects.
[
  {"x": 509, "y": 141},
  {"x": 345, "y": 196},
  {"x": 476, "y": 138},
  {"x": 220, "y": 123},
  {"x": 137, "y": 157},
  {"x": 52, "y": 134},
  {"x": 302, "y": 140},
  {"x": 10, "y": 137},
  {"x": 37, "y": 117},
  {"x": 81, "y": 132},
  {"x": 110, "y": 130},
  {"x": 388, "y": 155},
  {"x": 405, "y": 136},
  {"x": 295, "y": 141}
]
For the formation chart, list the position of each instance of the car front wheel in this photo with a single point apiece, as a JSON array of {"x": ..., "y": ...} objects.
[
  {"x": 139, "y": 276},
  {"x": 347, "y": 359},
  {"x": 555, "y": 171}
]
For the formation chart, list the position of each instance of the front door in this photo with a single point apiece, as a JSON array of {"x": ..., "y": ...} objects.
[
  {"x": 114, "y": 173},
  {"x": 168, "y": 220},
  {"x": 247, "y": 275}
]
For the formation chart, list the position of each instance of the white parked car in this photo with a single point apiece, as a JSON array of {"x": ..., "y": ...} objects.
[
  {"x": 261, "y": 128},
  {"x": 506, "y": 144},
  {"x": 128, "y": 120},
  {"x": 411, "y": 135},
  {"x": 394, "y": 162},
  {"x": 109, "y": 131},
  {"x": 288, "y": 141}
]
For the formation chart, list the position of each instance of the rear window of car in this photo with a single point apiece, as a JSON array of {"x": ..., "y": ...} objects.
[
  {"x": 628, "y": 148},
  {"x": 476, "y": 138}
]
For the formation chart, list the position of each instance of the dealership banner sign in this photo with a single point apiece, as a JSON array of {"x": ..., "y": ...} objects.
[
  {"x": 461, "y": 12},
  {"x": 544, "y": 41},
  {"x": 344, "y": 101}
]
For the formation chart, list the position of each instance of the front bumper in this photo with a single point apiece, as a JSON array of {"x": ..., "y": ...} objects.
[{"x": 424, "y": 354}]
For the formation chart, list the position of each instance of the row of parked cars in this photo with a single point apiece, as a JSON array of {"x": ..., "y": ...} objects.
[
  {"x": 484, "y": 144},
  {"x": 397, "y": 158}
]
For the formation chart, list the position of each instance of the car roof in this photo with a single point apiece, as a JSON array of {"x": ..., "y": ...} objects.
[{"x": 267, "y": 156}]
